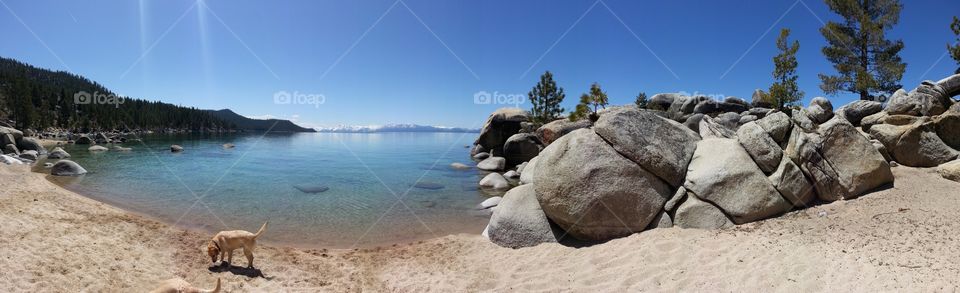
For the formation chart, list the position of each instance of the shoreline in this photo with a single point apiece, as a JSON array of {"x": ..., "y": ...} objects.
[{"x": 895, "y": 239}]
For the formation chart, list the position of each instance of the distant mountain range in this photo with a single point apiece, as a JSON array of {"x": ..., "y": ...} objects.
[
  {"x": 394, "y": 128},
  {"x": 273, "y": 125}
]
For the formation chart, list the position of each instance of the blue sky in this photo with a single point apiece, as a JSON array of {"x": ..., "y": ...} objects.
[{"x": 422, "y": 61}]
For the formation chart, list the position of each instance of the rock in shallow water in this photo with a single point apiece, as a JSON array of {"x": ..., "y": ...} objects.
[
  {"x": 492, "y": 164},
  {"x": 176, "y": 148},
  {"x": 311, "y": 188},
  {"x": 67, "y": 168},
  {"x": 428, "y": 185}
]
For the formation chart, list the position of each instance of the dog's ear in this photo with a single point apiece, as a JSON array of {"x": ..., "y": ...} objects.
[{"x": 212, "y": 251}]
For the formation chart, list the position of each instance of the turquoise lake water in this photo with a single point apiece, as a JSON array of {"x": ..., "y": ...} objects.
[{"x": 370, "y": 198}]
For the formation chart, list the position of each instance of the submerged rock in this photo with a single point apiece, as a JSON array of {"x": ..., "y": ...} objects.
[
  {"x": 492, "y": 164},
  {"x": 176, "y": 148},
  {"x": 490, "y": 202},
  {"x": 97, "y": 148},
  {"x": 311, "y": 188},
  {"x": 428, "y": 185}
]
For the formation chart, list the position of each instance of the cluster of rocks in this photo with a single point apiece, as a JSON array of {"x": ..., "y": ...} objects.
[{"x": 693, "y": 165}]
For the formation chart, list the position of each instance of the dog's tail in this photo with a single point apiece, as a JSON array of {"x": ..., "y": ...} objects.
[
  {"x": 262, "y": 229},
  {"x": 217, "y": 289}
]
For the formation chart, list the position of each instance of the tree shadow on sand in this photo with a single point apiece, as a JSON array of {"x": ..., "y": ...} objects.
[{"x": 238, "y": 270}]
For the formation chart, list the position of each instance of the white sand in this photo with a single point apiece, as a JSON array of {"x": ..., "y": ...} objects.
[{"x": 902, "y": 239}]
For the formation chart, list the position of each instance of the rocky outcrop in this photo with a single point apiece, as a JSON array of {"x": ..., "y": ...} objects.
[
  {"x": 758, "y": 99},
  {"x": 777, "y": 125},
  {"x": 501, "y": 124},
  {"x": 709, "y": 128},
  {"x": 722, "y": 173},
  {"x": 593, "y": 192},
  {"x": 519, "y": 221},
  {"x": 661, "y": 146},
  {"x": 792, "y": 184},
  {"x": 521, "y": 147},
  {"x": 928, "y": 99}
]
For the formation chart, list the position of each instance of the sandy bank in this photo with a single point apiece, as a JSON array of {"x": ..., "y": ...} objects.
[{"x": 902, "y": 239}]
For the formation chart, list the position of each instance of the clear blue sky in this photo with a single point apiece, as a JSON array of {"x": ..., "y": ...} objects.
[{"x": 421, "y": 61}]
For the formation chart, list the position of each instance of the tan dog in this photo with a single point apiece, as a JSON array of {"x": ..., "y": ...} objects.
[
  {"x": 178, "y": 285},
  {"x": 224, "y": 243}
]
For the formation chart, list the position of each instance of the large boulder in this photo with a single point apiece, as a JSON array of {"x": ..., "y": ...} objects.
[
  {"x": 802, "y": 119},
  {"x": 857, "y": 110},
  {"x": 10, "y": 149},
  {"x": 527, "y": 174},
  {"x": 661, "y": 146},
  {"x": 730, "y": 120},
  {"x": 550, "y": 132},
  {"x": 777, "y": 125},
  {"x": 8, "y": 160},
  {"x": 694, "y": 213},
  {"x": 928, "y": 99},
  {"x": 915, "y": 145},
  {"x": 761, "y": 147},
  {"x": 492, "y": 164},
  {"x": 804, "y": 150},
  {"x": 693, "y": 122},
  {"x": 593, "y": 192},
  {"x": 662, "y": 101},
  {"x": 521, "y": 147},
  {"x": 872, "y": 120},
  {"x": 792, "y": 184},
  {"x": 950, "y": 170},
  {"x": 519, "y": 221},
  {"x": 83, "y": 139},
  {"x": 734, "y": 104},
  {"x": 30, "y": 143},
  {"x": 501, "y": 124},
  {"x": 67, "y": 168},
  {"x": 722, "y": 173},
  {"x": 681, "y": 106},
  {"x": 9, "y": 135},
  {"x": 30, "y": 155},
  {"x": 710, "y": 128},
  {"x": 858, "y": 164},
  {"x": 950, "y": 85},
  {"x": 820, "y": 110},
  {"x": 947, "y": 127},
  {"x": 706, "y": 106}
]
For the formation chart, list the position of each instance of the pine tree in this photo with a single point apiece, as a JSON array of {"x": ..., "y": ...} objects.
[
  {"x": 641, "y": 100},
  {"x": 955, "y": 48},
  {"x": 784, "y": 92},
  {"x": 545, "y": 99},
  {"x": 590, "y": 103},
  {"x": 867, "y": 62}
]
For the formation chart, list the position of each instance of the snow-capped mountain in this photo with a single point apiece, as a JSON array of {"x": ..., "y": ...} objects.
[{"x": 392, "y": 128}]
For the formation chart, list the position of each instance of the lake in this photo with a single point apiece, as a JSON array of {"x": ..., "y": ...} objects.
[{"x": 359, "y": 187}]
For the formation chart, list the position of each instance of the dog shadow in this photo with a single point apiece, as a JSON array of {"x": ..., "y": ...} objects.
[{"x": 238, "y": 270}]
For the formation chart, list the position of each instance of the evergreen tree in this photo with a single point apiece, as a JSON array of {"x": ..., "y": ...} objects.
[
  {"x": 784, "y": 91},
  {"x": 590, "y": 103},
  {"x": 641, "y": 100},
  {"x": 867, "y": 62},
  {"x": 545, "y": 99},
  {"x": 955, "y": 48}
]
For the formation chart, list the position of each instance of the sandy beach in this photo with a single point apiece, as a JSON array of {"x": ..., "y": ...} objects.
[{"x": 900, "y": 239}]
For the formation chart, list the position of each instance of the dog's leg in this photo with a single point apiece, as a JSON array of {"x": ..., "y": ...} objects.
[
  {"x": 248, "y": 251},
  {"x": 230, "y": 257}
]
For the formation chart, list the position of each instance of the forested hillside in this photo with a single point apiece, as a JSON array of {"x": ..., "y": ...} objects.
[{"x": 38, "y": 98}]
